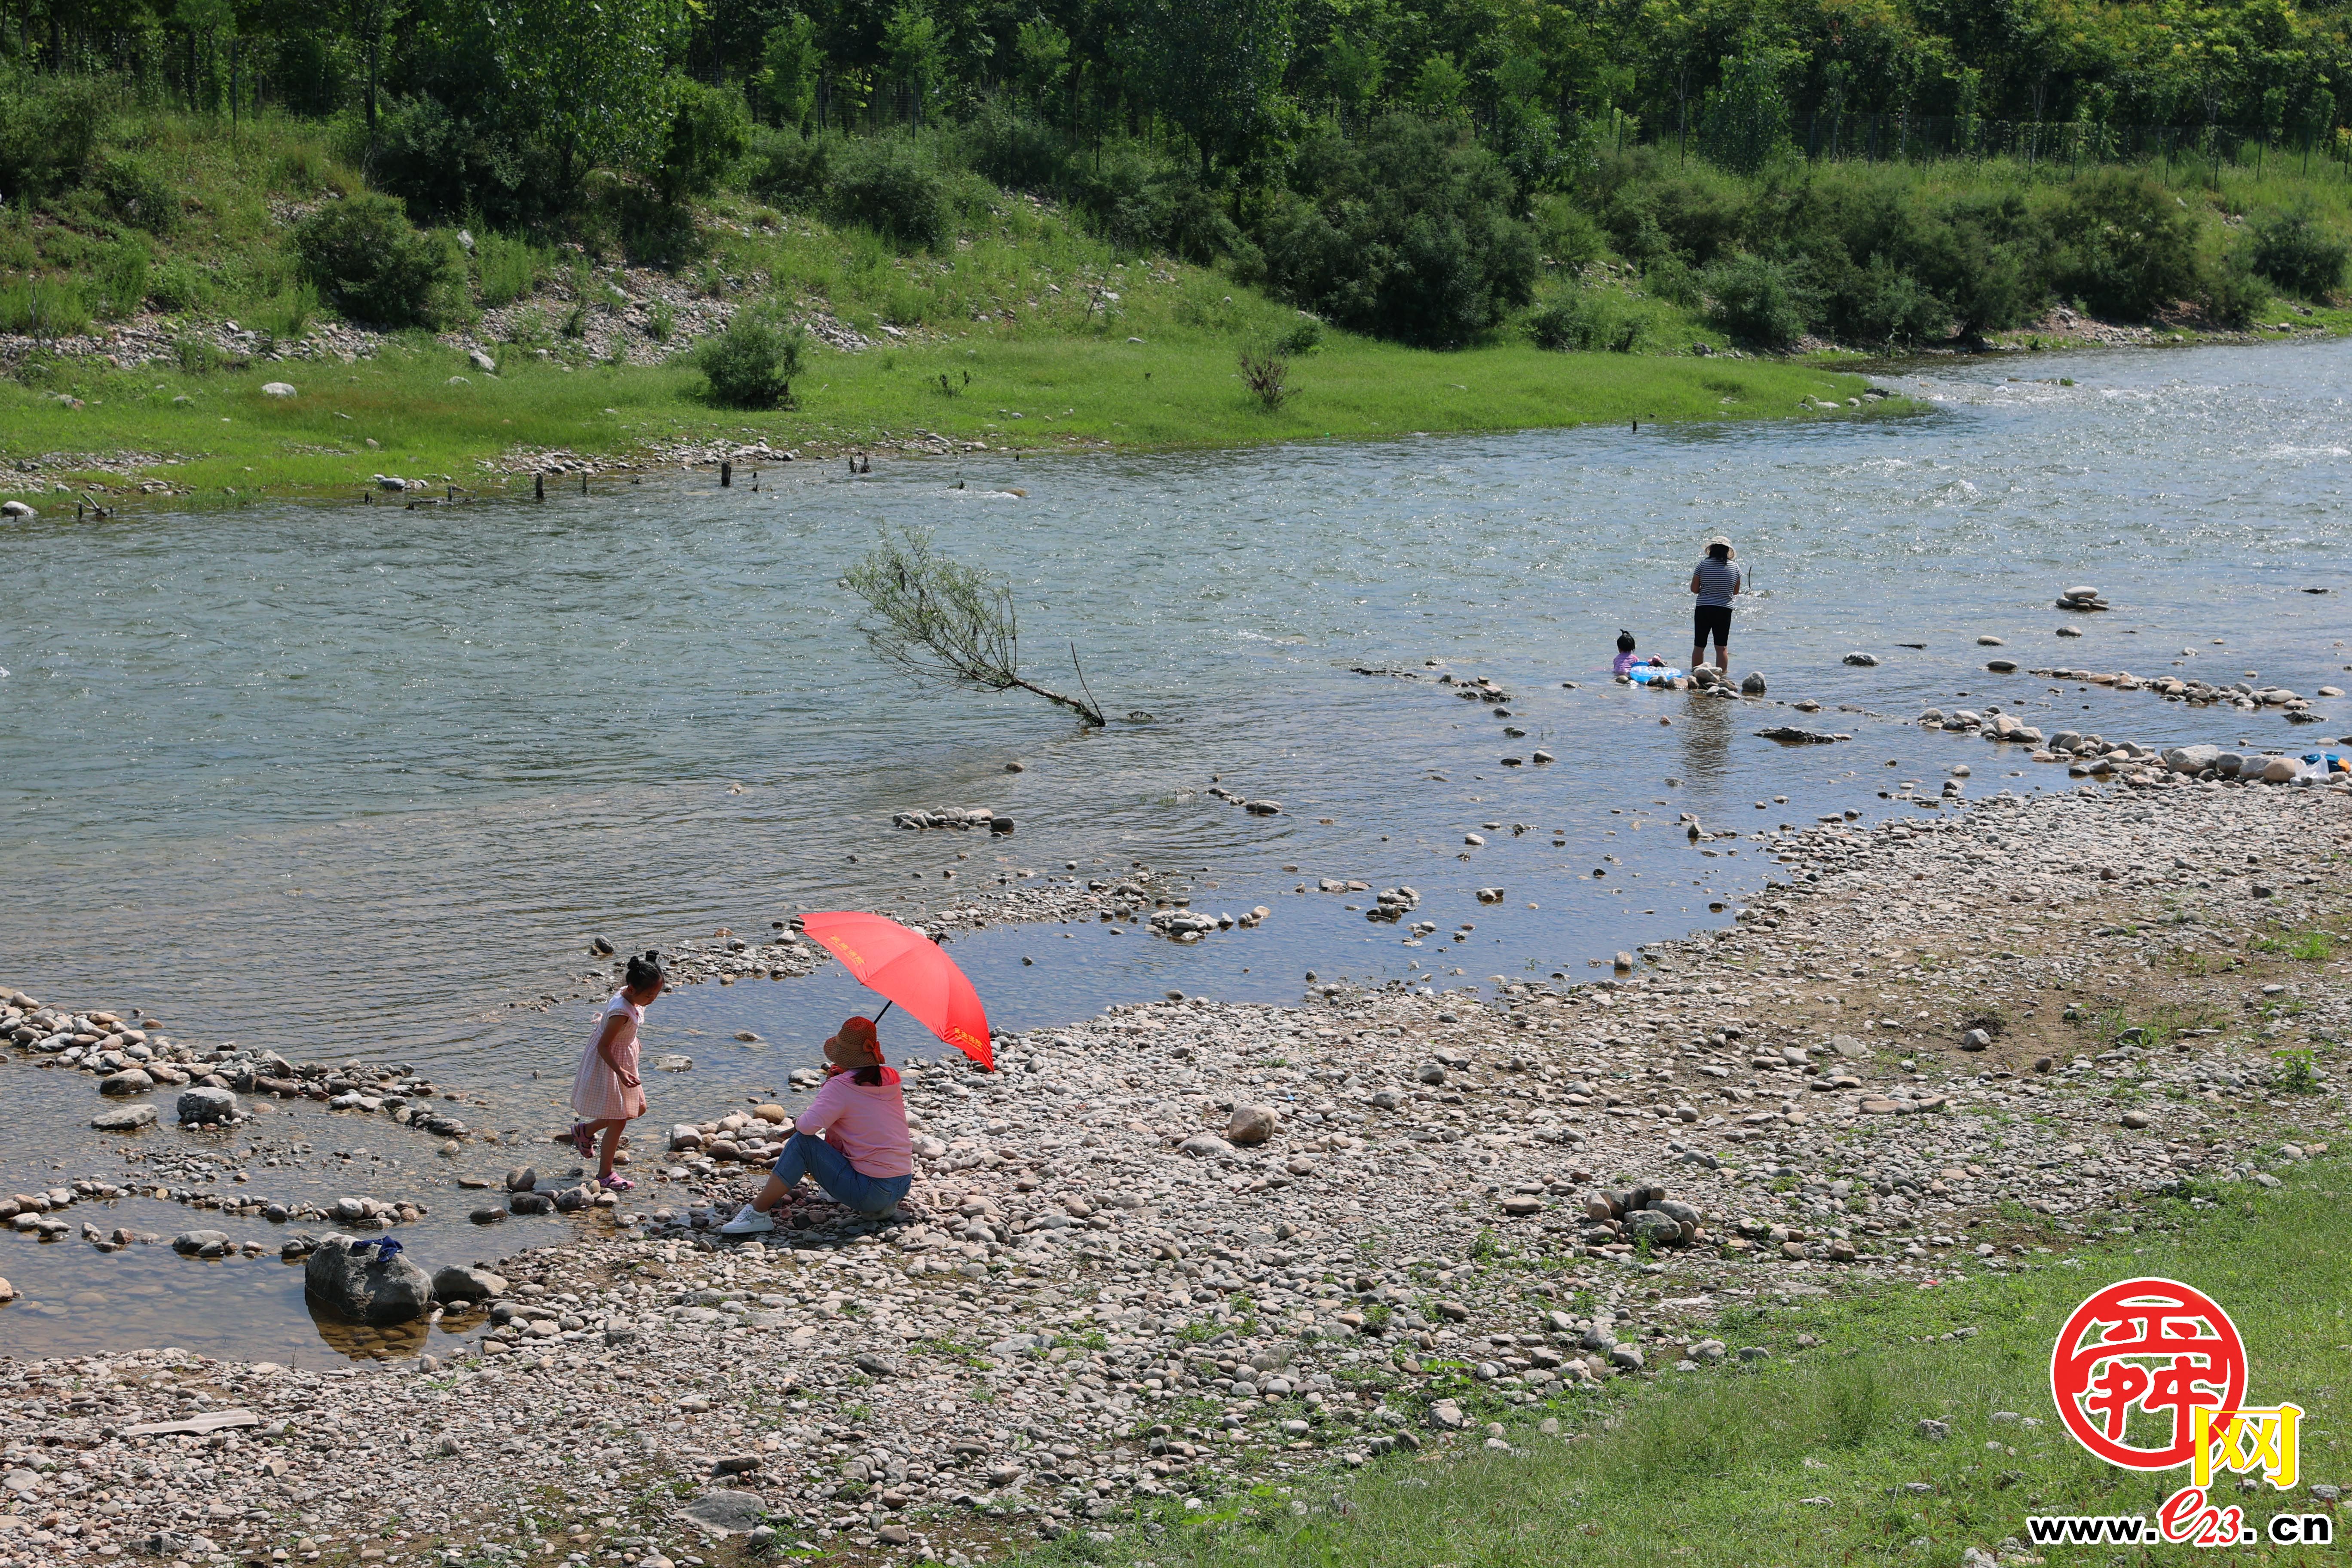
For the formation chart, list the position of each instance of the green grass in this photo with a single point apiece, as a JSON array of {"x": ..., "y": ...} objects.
[
  {"x": 1183, "y": 390},
  {"x": 1809, "y": 1457}
]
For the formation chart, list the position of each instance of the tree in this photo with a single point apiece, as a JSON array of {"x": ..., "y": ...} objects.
[
  {"x": 790, "y": 62},
  {"x": 591, "y": 79},
  {"x": 1354, "y": 67},
  {"x": 910, "y": 43},
  {"x": 1041, "y": 52},
  {"x": 1214, "y": 67},
  {"x": 942, "y": 623}
]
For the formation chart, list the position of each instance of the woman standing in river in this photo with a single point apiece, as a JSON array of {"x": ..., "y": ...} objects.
[
  {"x": 607, "y": 1091},
  {"x": 1716, "y": 583}
]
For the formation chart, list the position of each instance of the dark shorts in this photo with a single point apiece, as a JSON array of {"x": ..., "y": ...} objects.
[{"x": 1707, "y": 619}]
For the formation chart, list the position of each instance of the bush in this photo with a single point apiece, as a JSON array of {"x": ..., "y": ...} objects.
[
  {"x": 889, "y": 185},
  {"x": 180, "y": 285},
  {"x": 1197, "y": 229},
  {"x": 365, "y": 256},
  {"x": 123, "y": 279},
  {"x": 198, "y": 355},
  {"x": 2295, "y": 250},
  {"x": 1585, "y": 321},
  {"x": 752, "y": 364},
  {"x": 448, "y": 165},
  {"x": 509, "y": 268},
  {"x": 2235, "y": 290},
  {"x": 1404, "y": 232},
  {"x": 1568, "y": 232},
  {"x": 1883, "y": 304},
  {"x": 2126, "y": 247},
  {"x": 1757, "y": 301},
  {"x": 48, "y": 132},
  {"x": 709, "y": 130},
  {"x": 43, "y": 309},
  {"x": 138, "y": 195},
  {"x": 787, "y": 169},
  {"x": 1671, "y": 280}
]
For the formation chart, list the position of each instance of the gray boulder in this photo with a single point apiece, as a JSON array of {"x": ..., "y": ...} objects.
[
  {"x": 457, "y": 1283},
  {"x": 1660, "y": 1229},
  {"x": 722, "y": 1512},
  {"x": 2190, "y": 759},
  {"x": 530, "y": 1202},
  {"x": 124, "y": 1118},
  {"x": 1864, "y": 659},
  {"x": 130, "y": 1080},
  {"x": 522, "y": 1179},
  {"x": 1753, "y": 684},
  {"x": 360, "y": 1285},
  {"x": 201, "y": 1243},
  {"x": 207, "y": 1106}
]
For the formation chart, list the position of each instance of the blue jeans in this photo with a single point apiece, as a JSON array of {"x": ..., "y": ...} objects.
[{"x": 806, "y": 1155}]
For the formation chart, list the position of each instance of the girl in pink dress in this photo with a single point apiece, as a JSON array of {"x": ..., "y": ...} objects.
[{"x": 606, "y": 1092}]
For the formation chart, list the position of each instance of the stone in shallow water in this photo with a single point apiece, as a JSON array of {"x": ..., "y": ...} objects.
[{"x": 124, "y": 1118}]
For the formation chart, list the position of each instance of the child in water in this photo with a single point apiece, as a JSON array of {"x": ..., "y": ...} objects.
[{"x": 1625, "y": 661}]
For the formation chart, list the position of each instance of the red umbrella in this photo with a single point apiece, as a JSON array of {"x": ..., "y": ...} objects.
[{"x": 910, "y": 969}]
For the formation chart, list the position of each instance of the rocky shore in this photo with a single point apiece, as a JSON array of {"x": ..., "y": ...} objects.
[{"x": 1189, "y": 1244}]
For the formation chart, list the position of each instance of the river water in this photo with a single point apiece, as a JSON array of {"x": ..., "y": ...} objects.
[{"x": 353, "y": 782}]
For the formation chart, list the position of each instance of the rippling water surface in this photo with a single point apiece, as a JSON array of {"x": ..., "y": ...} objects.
[{"x": 352, "y": 782}]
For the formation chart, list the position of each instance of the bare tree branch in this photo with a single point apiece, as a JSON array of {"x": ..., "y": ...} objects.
[{"x": 942, "y": 623}]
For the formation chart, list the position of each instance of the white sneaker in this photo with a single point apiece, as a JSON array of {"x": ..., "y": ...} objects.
[{"x": 748, "y": 1221}]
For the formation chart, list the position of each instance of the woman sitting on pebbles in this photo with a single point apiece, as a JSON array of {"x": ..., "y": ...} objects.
[
  {"x": 606, "y": 1092},
  {"x": 852, "y": 1139}
]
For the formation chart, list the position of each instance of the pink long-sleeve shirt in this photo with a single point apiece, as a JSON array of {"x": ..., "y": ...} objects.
[{"x": 867, "y": 1124}]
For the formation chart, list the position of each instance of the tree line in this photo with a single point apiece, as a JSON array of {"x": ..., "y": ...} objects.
[{"x": 1410, "y": 168}]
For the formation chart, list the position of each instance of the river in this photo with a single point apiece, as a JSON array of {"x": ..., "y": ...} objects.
[{"x": 353, "y": 782}]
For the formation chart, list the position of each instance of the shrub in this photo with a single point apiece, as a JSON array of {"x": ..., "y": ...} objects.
[
  {"x": 2235, "y": 290},
  {"x": 1267, "y": 375},
  {"x": 1671, "y": 280},
  {"x": 1883, "y": 304},
  {"x": 752, "y": 364},
  {"x": 1404, "y": 232},
  {"x": 287, "y": 313},
  {"x": 48, "y": 132},
  {"x": 509, "y": 268},
  {"x": 446, "y": 165},
  {"x": 198, "y": 355},
  {"x": 787, "y": 169},
  {"x": 1197, "y": 229},
  {"x": 43, "y": 308},
  {"x": 1756, "y": 299},
  {"x": 2127, "y": 247},
  {"x": 1568, "y": 232},
  {"x": 123, "y": 279},
  {"x": 1304, "y": 337},
  {"x": 138, "y": 195},
  {"x": 1585, "y": 321},
  {"x": 709, "y": 130},
  {"x": 889, "y": 186},
  {"x": 364, "y": 253},
  {"x": 180, "y": 285},
  {"x": 2299, "y": 253}
]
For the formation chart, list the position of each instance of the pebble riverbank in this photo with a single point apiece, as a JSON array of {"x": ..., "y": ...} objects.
[{"x": 1187, "y": 1244}]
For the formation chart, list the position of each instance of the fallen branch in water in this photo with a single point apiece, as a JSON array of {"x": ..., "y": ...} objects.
[{"x": 940, "y": 622}]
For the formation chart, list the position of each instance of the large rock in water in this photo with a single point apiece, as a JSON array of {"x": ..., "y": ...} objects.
[
  {"x": 357, "y": 1283},
  {"x": 2191, "y": 759},
  {"x": 207, "y": 1105},
  {"x": 130, "y": 1080},
  {"x": 124, "y": 1118}
]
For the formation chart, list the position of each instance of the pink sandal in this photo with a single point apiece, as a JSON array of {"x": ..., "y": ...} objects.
[
  {"x": 583, "y": 1140},
  {"x": 615, "y": 1182}
]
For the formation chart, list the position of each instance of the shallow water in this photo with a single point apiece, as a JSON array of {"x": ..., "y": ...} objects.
[{"x": 351, "y": 781}]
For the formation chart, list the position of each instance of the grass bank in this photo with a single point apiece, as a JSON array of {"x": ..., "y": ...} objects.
[
  {"x": 1816, "y": 1454},
  {"x": 1033, "y": 391}
]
